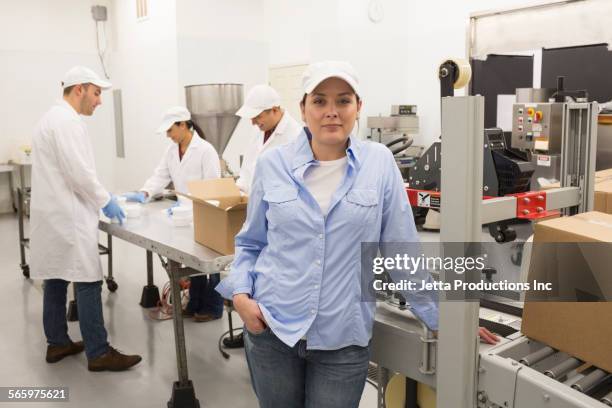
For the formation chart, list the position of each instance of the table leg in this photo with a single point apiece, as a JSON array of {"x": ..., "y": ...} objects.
[
  {"x": 382, "y": 380},
  {"x": 150, "y": 293},
  {"x": 109, "y": 248},
  {"x": 12, "y": 191},
  {"x": 110, "y": 279},
  {"x": 183, "y": 394},
  {"x": 25, "y": 268},
  {"x": 22, "y": 184},
  {"x": 73, "y": 311}
]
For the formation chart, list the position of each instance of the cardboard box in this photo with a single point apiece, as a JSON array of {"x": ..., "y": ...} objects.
[
  {"x": 216, "y": 226},
  {"x": 603, "y": 191},
  {"x": 580, "y": 266},
  {"x": 603, "y": 197},
  {"x": 603, "y": 175}
]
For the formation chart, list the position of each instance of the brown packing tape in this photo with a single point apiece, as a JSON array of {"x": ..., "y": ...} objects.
[{"x": 395, "y": 394}]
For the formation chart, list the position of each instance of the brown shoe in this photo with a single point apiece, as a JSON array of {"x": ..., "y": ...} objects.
[
  {"x": 187, "y": 313},
  {"x": 56, "y": 353},
  {"x": 113, "y": 360},
  {"x": 204, "y": 317}
]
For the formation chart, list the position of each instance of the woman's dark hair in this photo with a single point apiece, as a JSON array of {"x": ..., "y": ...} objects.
[{"x": 191, "y": 125}]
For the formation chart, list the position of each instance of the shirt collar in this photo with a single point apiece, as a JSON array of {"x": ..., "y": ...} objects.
[
  {"x": 280, "y": 127},
  {"x": 196, "y": 140},
  {"x": 65, "y": 104},
  {"x": 303, "y": 151}
]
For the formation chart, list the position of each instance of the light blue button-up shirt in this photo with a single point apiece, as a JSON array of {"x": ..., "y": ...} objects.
[{"x": 303, "y": 268}]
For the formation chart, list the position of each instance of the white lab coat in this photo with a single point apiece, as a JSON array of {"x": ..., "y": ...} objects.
[
  {"x": 200, "y": 162},
  {"x": 286, "y": 131},
  {"x": 66, "y": 199}
]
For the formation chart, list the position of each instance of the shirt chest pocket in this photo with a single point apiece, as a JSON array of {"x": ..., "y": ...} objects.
[
  {"x": 282, "y": 205},
  {"x": 359, "y": 206}
]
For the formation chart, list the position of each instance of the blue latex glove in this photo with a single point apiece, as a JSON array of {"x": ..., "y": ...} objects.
[
  {"x": 113, "y": 210},
  {"x": 136, "y": 196},
  {"x": 169, "y": 210}
]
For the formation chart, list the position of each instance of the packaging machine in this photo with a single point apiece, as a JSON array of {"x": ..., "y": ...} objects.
[{"x": 518, "y": 372}]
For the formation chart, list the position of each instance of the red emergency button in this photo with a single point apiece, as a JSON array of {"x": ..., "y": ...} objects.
[
  {"x": 538, "y": 116},
  {"x": 530, "y": 111}
]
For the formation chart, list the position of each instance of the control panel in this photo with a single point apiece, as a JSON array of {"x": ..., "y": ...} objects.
[{"x": 537, "y": 127}]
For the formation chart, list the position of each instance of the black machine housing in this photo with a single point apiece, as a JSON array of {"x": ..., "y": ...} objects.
[{"x": 505, "y": 171}]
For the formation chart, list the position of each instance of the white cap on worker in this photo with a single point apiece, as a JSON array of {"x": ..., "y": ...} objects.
[
  {"x": 260, "y": 98},
  {"x": 318, "y": 72},
  {"x": 173, "y": 115},
  {"x": 83, "y": 75}
]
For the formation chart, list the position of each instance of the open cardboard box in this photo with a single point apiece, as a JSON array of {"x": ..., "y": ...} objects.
[
  {"x": 216, "y": 226},
  {"x": 578, "y": 268}
]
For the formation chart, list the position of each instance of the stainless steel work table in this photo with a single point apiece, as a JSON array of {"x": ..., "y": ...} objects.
[{"x": 154, "y": 231}]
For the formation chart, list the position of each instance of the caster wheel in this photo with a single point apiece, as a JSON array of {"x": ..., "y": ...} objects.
[
  {"x": 111, "y": 285},
  {"x": 505, "y": 235},
  {"x": 500, "y": 237},
  {"x": 510, "y": 235},
  {"x": 25, "y": 269}
]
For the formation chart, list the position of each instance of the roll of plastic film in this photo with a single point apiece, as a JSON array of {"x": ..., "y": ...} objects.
[
  {"x": 465, "y": 72},
  {"x": 395, "y": 394}
]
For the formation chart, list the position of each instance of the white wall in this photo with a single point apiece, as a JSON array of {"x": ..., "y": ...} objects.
[
  {"x": 184, "y": 42},
  {"x": 39, "y": 41},
  {"x": 397, "y": 58},
  {"x": 144, "y": 65},
  {"x": 223, "y": 42}
]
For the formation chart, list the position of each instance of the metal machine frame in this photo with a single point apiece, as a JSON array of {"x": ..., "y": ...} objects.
[
  {"x": 468, "y": 374},
  {"x": 463, "y": 217}
]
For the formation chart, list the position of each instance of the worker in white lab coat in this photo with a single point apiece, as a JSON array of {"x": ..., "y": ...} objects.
[
  {"x": 190, "y": 157},
  {"x": 275, "y": 127},
  {"x": 66, "y": 200}
]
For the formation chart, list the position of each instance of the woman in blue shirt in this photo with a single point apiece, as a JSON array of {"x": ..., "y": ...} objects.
[{"x": 295, "y": 279}]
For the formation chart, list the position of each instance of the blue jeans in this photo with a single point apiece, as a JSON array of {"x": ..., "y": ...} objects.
[
  {"x": 294, "y": 377},
  {"x": 203, "y": 298},
  {"x": 89, "y": 306}
]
